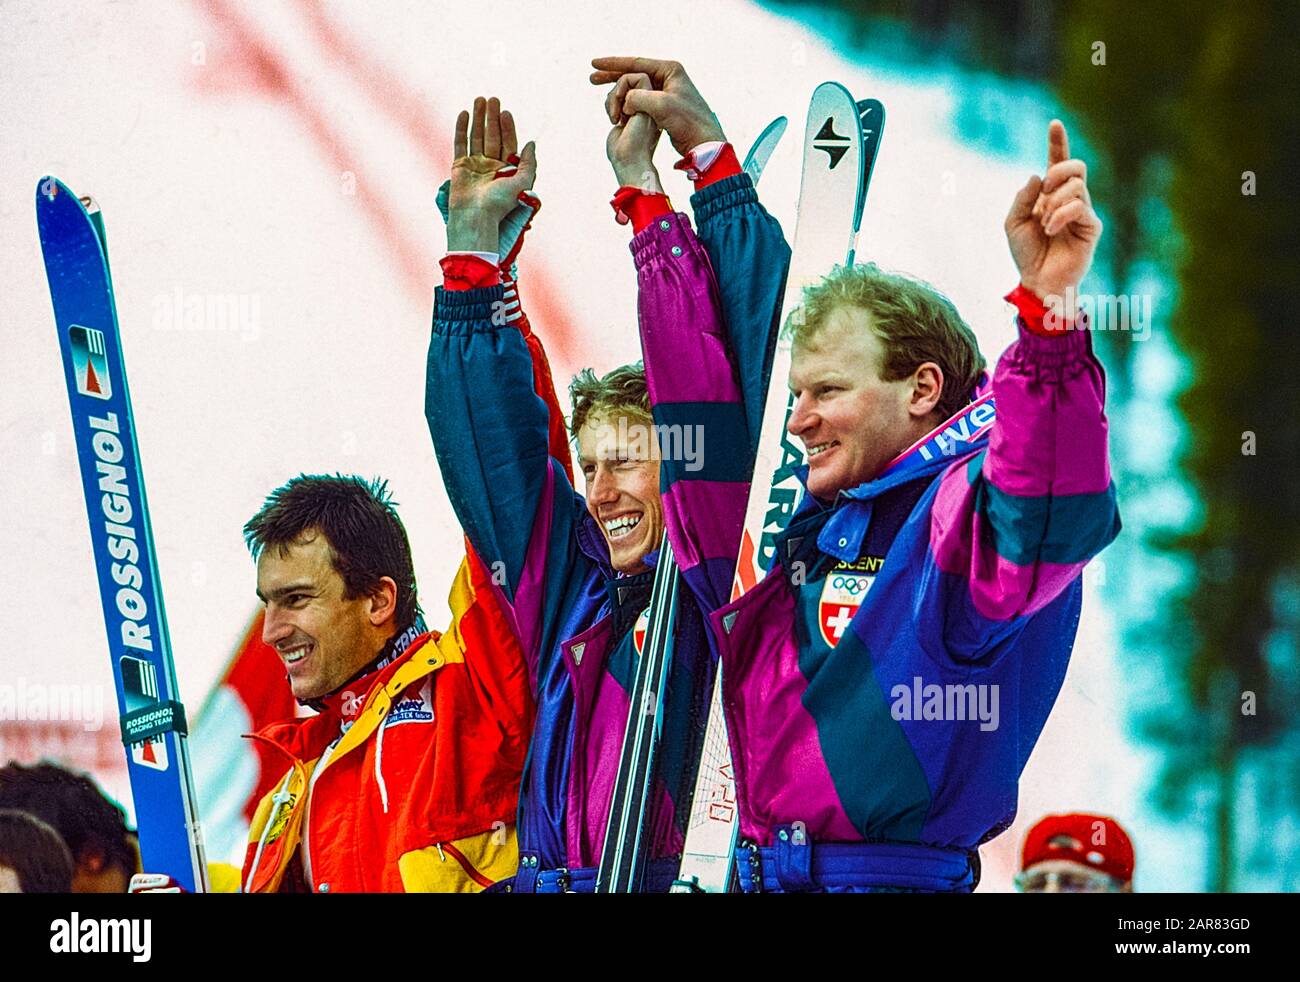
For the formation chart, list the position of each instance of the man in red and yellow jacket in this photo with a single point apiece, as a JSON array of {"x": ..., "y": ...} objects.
[{"x": 408, "y": 777}]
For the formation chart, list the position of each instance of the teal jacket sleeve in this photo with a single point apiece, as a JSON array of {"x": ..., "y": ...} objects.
[{"x": 490, "y": 435}]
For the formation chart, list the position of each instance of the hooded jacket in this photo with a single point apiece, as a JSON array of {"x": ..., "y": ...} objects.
[
  {"x": 889, "y": 677},
  {"x": 420, "y": 792}
]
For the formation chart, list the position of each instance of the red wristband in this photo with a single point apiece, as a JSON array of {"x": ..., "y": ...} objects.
[
  {"x": 1033, "y": 313},
  {"x": 639, "y": 207},
  {"x": 726, "y": 165},
  {"x": 468, "y": 273}
]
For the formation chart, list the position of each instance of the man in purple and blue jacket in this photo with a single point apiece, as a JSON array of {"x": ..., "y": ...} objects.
[
  {"x": 575, "y": 572},
  {"x": 885, "y": 683}
]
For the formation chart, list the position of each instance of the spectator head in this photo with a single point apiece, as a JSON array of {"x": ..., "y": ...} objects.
[
  {"x": 104, "y": 853},
  {"x": 33, "y": 859},
  {"x": 1076, "y": 853}
]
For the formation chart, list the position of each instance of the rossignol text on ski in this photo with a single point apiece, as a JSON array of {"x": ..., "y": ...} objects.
[{"x": 152, "y": 717}]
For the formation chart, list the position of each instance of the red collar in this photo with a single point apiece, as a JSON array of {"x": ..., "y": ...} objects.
[{"x": 346, "y": 703}]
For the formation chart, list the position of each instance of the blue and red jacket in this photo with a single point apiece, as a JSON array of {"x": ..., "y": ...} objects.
[
  {"x": 573, "y": 614},
  {"x": 959, "y": 582}
]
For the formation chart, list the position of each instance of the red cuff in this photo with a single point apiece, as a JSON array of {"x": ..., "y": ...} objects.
[
  {"x": 639, "y": 207},
  {"x": 468, "y": 273},
  {"x": 1033, "y": 313},
  {"x": 726, "y": 165}
]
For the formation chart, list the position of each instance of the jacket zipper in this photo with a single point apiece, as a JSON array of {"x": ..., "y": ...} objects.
[
  {"x": 306, "y": 818},
  {"x": 466, "y": 865}
]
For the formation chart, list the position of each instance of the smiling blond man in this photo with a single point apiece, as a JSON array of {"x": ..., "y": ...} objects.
[
  {"x": 886, "y": 681},
  {"x": 576, "y": 564}
]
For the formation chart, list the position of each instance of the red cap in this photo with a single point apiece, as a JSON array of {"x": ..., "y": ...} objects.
[{"x": 1090, "y": 840}]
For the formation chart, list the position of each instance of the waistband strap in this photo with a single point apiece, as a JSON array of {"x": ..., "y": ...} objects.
[
  {"x": 659, "y": 876},
  {"x": 794, "y": 864}
]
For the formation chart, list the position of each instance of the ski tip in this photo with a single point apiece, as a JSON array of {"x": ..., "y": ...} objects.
[
  {"x": 49, "y": 188},
  {"x": 831, "y": 84},
  {"x": 775, "y": 129}
]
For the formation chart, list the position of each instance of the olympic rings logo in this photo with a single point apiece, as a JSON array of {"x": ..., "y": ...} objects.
[{"x": 852, "y": 585}]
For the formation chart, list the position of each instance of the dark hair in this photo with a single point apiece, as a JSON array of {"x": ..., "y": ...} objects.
[
  {"x": 89, "y": 822},
  {"x": 33, "y": 850},
  {"x": 359, "y": 521}
]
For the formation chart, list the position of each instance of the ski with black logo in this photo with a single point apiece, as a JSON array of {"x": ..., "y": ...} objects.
[
  {"x": 625, "y": 850},
  {"x": 841, "y": 139}
]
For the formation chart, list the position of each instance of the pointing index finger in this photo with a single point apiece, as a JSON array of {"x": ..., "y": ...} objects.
[
  {"x": 607, "y": 68},
  {"x": 1058, "y": 143}
]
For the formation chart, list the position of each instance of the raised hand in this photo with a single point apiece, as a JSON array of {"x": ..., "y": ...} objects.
[
  {"x": 630, "y": 145},
  {"x": 479, "y": 199},
  {"x": 1052, "y": 229},
  {"x": 672, "y": 102}
]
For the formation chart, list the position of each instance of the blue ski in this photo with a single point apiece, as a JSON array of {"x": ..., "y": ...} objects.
[{"x": 152, "y": 717}]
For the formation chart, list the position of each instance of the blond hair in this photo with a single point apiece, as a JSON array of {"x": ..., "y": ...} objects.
[
  {"x": 621, "y": 392},
  {"x": 915, "y": 322}
]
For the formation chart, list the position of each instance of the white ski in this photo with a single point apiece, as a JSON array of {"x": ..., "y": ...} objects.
[{"x": 840, "y": 142}]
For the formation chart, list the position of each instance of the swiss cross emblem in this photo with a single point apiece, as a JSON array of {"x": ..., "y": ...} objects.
[
  {"x": 639, "y": 629},
  {"x": 842, "y": 594}
]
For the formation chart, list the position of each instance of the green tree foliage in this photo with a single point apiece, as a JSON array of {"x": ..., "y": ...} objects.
[{"x": 1239, "y": 287}]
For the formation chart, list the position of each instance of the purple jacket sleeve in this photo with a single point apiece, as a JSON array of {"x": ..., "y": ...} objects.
[
  {"x": 1016, "y": 524},
  {"x": 697, "y": 406}
]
